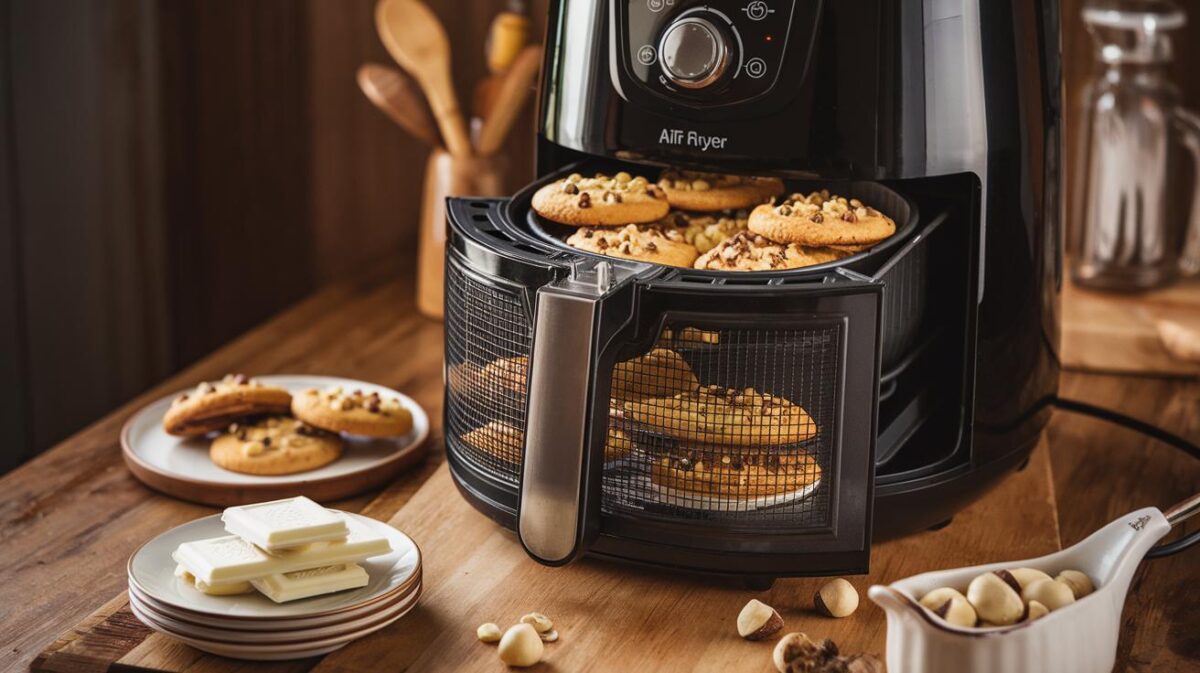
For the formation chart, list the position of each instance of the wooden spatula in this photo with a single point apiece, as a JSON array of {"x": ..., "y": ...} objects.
[
  {"x": 508, "y": 100},
  {"x": 414, "y": 37},
  {"x": 399, "y": 97}
]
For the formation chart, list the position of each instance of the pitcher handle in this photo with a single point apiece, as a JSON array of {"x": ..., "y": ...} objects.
[{"x": 1188, "y": 124}]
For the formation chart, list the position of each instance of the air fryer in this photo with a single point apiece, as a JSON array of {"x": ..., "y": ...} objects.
[{"x": 925, "y": 364}]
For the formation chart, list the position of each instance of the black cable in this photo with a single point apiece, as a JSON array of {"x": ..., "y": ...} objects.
[{"x": 1164, "y": 549}]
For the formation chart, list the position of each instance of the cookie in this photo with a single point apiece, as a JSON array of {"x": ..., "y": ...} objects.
[
  {"x": 659, "y": 373},
  {"x": 706, "y": 230},
  {"x": 214, "y": 404},
  {"x": 691, "y": 336},
  {"x": 747, "y": 251},
  {"x": 355, "y": 413},
  {"x": 642, "y": 242},
  {"x": 821, "y": 219},
  {"x": 506, "y": 442},
  {"x": 510, "y": 374},
  {"x": 728, "y": 474},
  {"x": 600, "y": 201},
  {"x": 274, "y": 445},
  {"x": 695, "y": 190},
  {"x": 725, "y": 417}
]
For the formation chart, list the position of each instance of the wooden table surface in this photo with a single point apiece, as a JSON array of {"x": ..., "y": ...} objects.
[{"x": 70, "y": 518}]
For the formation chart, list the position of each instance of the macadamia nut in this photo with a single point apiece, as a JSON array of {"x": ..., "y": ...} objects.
[
  {"x": 1027, "y": 576},
  {"x": 836, "y": 598},
  {"x": 995, "y": 598},
  {"x": 540, "y": 623},
  {"x": 951, "y": 606},
  {"x": 1081, "y": 585},
  {"x": 758, "y": 620},
  {"x": 521, "y": 646},
  {"x": 488, "y": 633},
  {"x": 1050, "y": 593}
]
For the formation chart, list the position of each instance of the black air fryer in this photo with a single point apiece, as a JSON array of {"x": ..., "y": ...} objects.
[{"x": 926, "y": 363}]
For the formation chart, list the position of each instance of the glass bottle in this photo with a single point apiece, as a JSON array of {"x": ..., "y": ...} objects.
[{"x": 1128, "y": 235}]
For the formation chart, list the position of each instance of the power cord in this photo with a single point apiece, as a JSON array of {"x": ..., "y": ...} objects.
[{"x": 1170, "y": 438}]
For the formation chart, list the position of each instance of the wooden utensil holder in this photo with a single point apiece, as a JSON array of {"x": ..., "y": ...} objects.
[{"x": 448, "y": 175}]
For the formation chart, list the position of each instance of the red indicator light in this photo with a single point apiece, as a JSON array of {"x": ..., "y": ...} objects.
[{"x": 768, "y": 38}]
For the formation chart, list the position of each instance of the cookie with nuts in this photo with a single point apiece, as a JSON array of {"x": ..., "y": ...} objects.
[
  {"x": 696, "y": 190},
  {"x": 510, "y": 374},
  {"x": 748, "y": 251},
  {"x": 212, "y": 405},
  {"x": 651, "y": 243},
  {"x": 506, "y": 442},
  {"x": 723, "y": 416},
  {"x": 353, "y": 412},
  {"x": 601, "y": 200},
  {"x": 820, "y": 219},
  {"x": 274, "y": 445},
  {"x": 719, "y": 471},
  {"x": 707, "y": 230},
  {"x": 660, "y": 373}
]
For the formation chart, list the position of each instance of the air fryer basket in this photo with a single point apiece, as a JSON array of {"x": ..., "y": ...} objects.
[{"x": 904, "y": 277}]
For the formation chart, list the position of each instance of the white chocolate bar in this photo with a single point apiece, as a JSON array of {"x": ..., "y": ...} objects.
[
  {"x": 219, "y": 589},
  {"x": 232, "y": 559},
  {"x": 285, "y": 587},
  {"x": 283, "y": 524}
]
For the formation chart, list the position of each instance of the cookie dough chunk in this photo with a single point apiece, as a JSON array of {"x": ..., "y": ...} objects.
[
  {"x": 821, "y": 219},
  {"x": 747, "y": 251},
  {"x": 725, "y": 417},
  {"x": 707, "y": 230},
  {"x": 601, "y": 201},
  {"x": 727, "y": 474},
  {"x": 660, "y": 373},
  {"x": 694, "y": 190},
  {"x": 355, "y": 413},
  {"x": 643, "y": 242},
  {"x": 274, "y": 445},
  {"x": 214, "y": 404}
]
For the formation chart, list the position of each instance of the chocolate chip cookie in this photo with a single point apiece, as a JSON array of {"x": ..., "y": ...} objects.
[
  {"x": 601, "y": 200},
  {"x": 724, "y": 416},
  {"x": 695, "y": 190},
  {"x": 748, "y": 251},
  {"x": 212, "y": 405},
  {"x": 274, "y": 445},
  {"x": 506, "y": 442},
  {"x": 353, "y": 412},
  {"x": 652, "y": 243},
  {"x": 714, "y": 471},
  {"x": 511, "y": 374},
  {"x": 819, "y": 219}
]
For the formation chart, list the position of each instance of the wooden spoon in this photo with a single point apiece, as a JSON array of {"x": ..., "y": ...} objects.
[
  {"x": 400, "y": 98},
  {"x": 509, "y": 99},
  {"x": 415, "y": 38}
]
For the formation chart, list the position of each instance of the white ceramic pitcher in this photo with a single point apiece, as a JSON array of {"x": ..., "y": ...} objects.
[{"x": 1078, "y": 638}]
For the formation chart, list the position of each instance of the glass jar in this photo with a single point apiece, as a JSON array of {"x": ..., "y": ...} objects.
[{"x": 1130, "y": 231}]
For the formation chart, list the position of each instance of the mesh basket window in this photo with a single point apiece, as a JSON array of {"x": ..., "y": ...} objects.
[
  {"x": 730, "y": 425},
  {"x": 487, "y": 349}
]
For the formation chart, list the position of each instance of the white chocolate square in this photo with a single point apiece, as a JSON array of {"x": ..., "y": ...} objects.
[
  {"x": 284, "y": 587},
  {"x": 232, "y": 559},
  {"x": 283, "y": 524},
  {"x": 219, "y": 589}
]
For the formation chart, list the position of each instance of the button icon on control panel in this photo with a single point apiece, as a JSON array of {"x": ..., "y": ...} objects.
[
  {"x": 656, "y": 5},
  {"x": 756, "y": 67},
  {"x": 647, "y": 55},
  {"x": 757, "y": 10}
]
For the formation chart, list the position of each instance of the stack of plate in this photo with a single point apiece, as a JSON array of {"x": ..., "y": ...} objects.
[{"x": 251, "y": 626}]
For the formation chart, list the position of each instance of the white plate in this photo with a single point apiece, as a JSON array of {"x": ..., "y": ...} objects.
[
  {"x": 268, "y": 651},
  {"x": 180, "y": 466},
  {"x": 235, "y": 635},
  {"x": 152, "y": 572},
  {"x": 268, "y": 625}
]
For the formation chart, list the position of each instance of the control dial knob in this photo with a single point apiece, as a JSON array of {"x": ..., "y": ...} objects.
[{"x": 694, "y": 52}]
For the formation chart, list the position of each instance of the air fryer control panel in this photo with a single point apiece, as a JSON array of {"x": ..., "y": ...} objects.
[{"x": 712, "y": 52}]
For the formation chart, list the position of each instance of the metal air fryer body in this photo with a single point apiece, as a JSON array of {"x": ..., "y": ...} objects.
[{"x": 927, "y": 365}]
